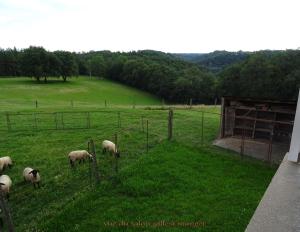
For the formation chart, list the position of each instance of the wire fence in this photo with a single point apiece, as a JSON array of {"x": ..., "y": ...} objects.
[
  {"x": 198, "y": 127},
  {"x": 135, "y": 132}
]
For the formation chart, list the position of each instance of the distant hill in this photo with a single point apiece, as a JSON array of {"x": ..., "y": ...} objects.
[{"x": 215, "y": 61}]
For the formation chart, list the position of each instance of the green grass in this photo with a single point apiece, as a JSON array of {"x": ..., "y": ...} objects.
[
  {"x": 184, "y": 180},
  {"x": 19, "y": 94}
]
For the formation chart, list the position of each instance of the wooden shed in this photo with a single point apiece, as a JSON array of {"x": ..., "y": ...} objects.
[{"x": 259, "y": 120}]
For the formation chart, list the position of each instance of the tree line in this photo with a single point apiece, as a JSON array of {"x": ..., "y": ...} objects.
[
  {"x": 156, "y": 72},
  {"x": 264, "y": 74},
  {"x": 38, "y": 63}
]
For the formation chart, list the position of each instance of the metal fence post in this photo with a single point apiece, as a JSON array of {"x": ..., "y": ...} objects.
[{"x": 96, "y": 173}]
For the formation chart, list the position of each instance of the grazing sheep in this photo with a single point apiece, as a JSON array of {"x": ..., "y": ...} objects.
[
  {"x": 78, "y": 155},
  {"x": 32, "y": 175},
  {"x": 5, "y": 184},
  {"x": 111, "y": 148},
  {"x": 5, "y": 162}
]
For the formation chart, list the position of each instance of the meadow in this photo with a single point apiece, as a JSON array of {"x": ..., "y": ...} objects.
[{"x": 185, "y": 180}]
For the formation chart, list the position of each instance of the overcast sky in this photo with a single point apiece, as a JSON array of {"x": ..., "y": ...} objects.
[{"x": 165, "y": 25}]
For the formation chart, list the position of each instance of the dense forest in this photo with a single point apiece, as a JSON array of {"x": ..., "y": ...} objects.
[
  {"x": 214, "y": 61},
  {"x": 266, "y": 74}
]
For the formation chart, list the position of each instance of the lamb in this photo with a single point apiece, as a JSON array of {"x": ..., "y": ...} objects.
[
  {"x": 78, "y": 155},
  {"x": 5, "y": 162},
  {"x": 5, "y": 184},
  {"x": 32, "y": 175},
  {"x": 111, "y": 148}
]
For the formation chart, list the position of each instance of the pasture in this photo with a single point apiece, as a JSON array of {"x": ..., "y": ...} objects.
[{"x": 180, "y": 181}]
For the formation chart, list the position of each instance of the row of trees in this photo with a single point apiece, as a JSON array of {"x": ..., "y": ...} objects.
[
  {"x": 265, "y": 74},
  {"x": 38, "y": 63},
  {"x": 156, "y": 72}
]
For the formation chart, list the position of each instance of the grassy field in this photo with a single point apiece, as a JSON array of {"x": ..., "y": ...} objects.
[
  {"x": 21, "y": 93},
  {"x": 186, "y": 180}
]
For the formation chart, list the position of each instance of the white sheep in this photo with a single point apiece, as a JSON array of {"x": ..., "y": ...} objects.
[
  {"x": 5, "y": 162},
  {"x": 110, "y": 147},
  {"x": 5, "y": 184},
  {"x": 78, "y": 155},
  {"x": 32, "y": 175}
]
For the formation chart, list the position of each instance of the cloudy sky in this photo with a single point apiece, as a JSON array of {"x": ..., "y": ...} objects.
[{"x": 165, "y": 25}]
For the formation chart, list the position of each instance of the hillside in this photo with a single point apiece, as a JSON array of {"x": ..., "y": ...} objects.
[
  {"x": 214, "y": 61},
  {"x": 185, "y": 180},
  {"x": 21, "y": 93}
]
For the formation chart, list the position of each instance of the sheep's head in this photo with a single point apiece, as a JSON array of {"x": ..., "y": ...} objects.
[
  {"x": 118, "y": 154},
  {"x": 90, "y": 157},
  {"x": 34, "y": 172}
]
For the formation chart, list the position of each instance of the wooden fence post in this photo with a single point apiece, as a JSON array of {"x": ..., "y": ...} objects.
[
  {"x": 170, "y": 124},
  {"x": 6, "y": 213},
  {"x": 95, "y": 166},
  {"x": 202, "y": 129},
  {"x": 105, "y": 103},
  {"x": 8, "y": 122},
  {"x": 36, "y": 104},
  {"x": 191, "y": 103},
  {"x": 147, "y": 127}
]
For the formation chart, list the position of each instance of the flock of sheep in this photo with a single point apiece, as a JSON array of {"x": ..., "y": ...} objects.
[{"x": 32, "y": 175}]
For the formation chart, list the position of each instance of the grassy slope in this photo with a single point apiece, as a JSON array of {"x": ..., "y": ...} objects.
[
  {"x": 21, "y": 93},
  {"x": 176, "y": 181},
  {"x": 188, "y": 185}
]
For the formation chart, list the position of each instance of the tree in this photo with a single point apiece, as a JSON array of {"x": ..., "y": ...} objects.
[
  {"x": 67, "y": 64},
  {"x": 34, "y": 62}
]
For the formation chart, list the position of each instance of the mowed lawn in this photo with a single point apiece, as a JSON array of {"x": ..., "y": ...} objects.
[
  {"x": 181, "y": 185},
  {"x": 21, "y": 93}
]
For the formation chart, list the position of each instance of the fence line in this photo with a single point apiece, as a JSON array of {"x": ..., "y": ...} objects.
[{"x": 178, "y": 124}]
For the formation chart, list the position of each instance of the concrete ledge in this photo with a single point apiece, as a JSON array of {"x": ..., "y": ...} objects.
[
  {"x": 254, "y": 148},
  {"x": 279, "y": 209}
]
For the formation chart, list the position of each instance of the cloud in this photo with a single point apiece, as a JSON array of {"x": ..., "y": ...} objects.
[{"x": 167, "y": 25}]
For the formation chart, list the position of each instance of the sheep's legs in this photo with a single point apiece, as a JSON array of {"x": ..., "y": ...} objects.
[
  {"x": 103, "y": 151},
  {"x": 71, "y": 163}
]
